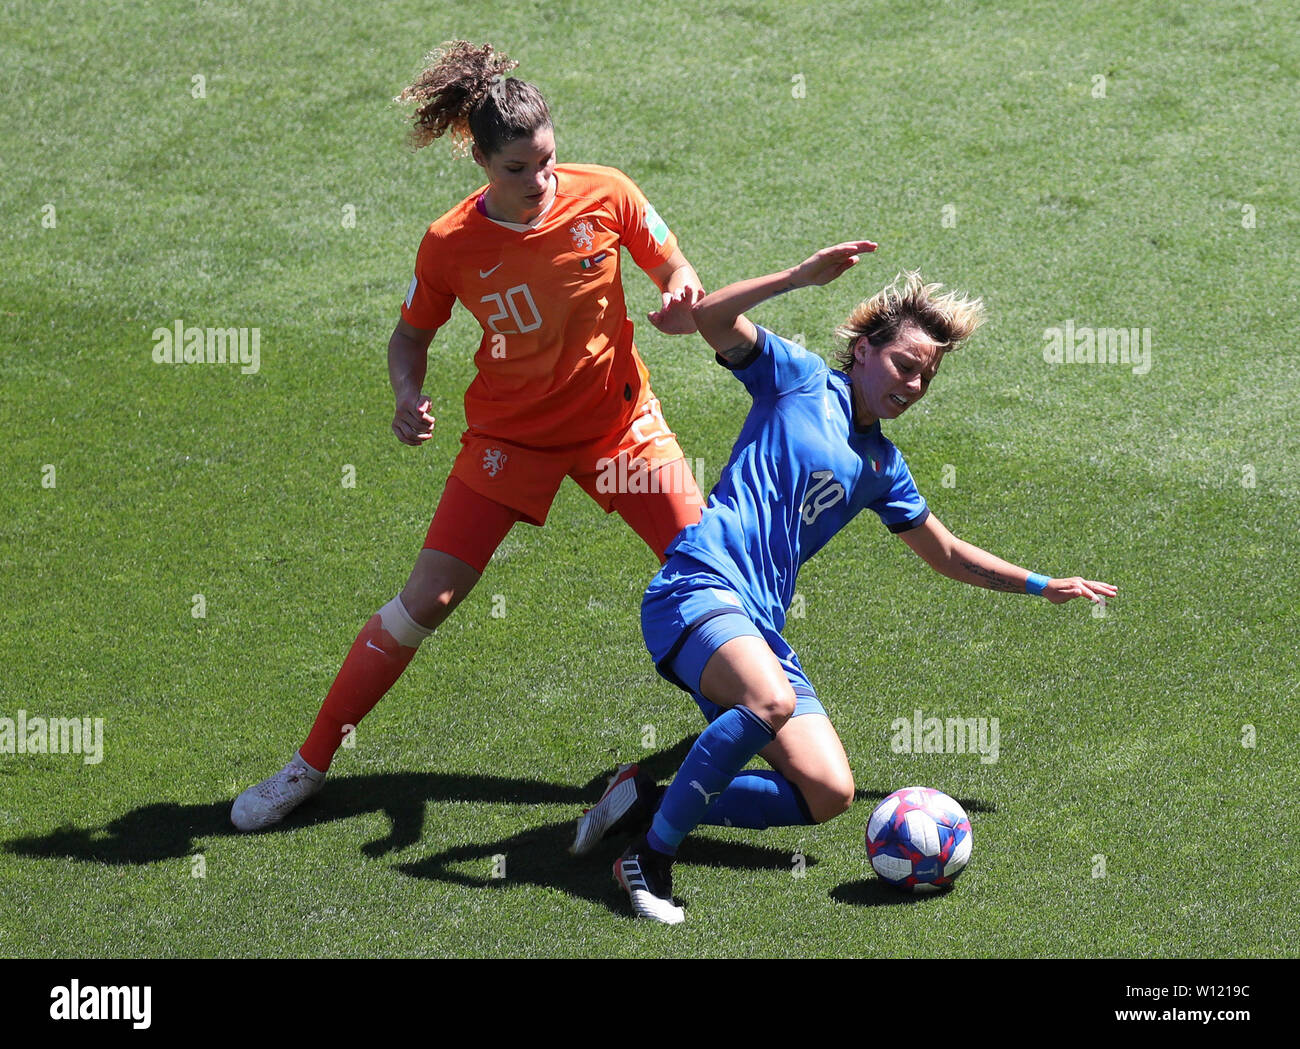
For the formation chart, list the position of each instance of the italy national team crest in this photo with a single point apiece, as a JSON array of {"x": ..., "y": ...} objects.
[
  {"x": 494, "y": 461},
  {"x": 584, "y": 235},
  {"x": 875, "y": 465}
]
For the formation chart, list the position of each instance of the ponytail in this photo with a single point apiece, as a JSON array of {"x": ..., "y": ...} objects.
[{"x": 464, "y": 89}]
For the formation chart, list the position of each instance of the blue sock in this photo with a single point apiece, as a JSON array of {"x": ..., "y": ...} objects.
[
  {"x": 723, "y": 749},
  {"x": 758, "y": 800}
]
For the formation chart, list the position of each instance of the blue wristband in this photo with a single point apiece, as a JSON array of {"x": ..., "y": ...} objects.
[{"x": 1036, "y": 583}]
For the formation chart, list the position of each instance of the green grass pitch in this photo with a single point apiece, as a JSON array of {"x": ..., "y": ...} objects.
[{"x": 1108, "y": 165}]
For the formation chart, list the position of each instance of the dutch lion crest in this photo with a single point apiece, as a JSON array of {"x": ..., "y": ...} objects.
[{"x": 584, "y": 235}]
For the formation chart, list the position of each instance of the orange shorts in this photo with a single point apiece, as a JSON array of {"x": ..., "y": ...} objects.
[{"x": 639, "y": 472}]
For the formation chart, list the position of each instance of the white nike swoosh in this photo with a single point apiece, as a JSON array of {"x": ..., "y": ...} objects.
[
  {"x": 488, "y": 273},
  {"x": 371, "y": 644}
]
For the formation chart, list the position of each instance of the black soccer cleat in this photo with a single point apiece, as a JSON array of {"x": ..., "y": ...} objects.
[{"x": 647, "y": 877}]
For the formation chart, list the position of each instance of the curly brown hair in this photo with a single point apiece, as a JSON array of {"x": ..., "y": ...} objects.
[
  {"x": 945, "y": 317},
  {"x": 464, "y": 89}
]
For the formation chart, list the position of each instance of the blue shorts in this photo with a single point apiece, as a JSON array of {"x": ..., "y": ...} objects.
[{"x": 689, "y": 612}]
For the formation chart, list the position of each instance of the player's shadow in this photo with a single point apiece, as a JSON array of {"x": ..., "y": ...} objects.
[
  {"x": 167, "y": 830},
  {"x": 872, "y": 892},
  {"x": 539, "y": 856}
]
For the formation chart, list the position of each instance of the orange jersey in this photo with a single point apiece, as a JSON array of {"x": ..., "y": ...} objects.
[{"x": 556, "y": 364}]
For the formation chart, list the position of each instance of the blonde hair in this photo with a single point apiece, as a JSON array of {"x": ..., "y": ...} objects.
[
  {"x": 464, "y": 89},
  {"x": 945, "y": 317}
]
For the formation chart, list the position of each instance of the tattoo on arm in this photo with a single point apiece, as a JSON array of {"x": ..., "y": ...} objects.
[
  {"x": 993, "y": 580},
  {"x": 737, "y": 353}
]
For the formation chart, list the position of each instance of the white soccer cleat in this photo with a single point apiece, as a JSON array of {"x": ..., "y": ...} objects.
[
  {"x": 271, "y": 800},
  {"x": 626, "y": 805},
  {"x": 648, "y": 881}
]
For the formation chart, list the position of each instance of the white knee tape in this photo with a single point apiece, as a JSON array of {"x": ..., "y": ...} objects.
[{"x": 398, "y": 622}]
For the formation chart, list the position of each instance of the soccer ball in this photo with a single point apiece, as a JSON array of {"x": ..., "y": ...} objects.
[{"x": 919, "y": 839}]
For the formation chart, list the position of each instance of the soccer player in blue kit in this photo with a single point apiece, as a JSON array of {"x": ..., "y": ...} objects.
[{"x": 809, "y": 458}]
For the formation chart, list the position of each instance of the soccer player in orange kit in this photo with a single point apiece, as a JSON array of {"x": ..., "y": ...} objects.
[{"x": 560, "y": 391}]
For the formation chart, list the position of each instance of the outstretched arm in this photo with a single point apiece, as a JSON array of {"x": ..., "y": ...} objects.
[
  {"x": 960, "y": 560},
  {"x": 720, "y": 315}
]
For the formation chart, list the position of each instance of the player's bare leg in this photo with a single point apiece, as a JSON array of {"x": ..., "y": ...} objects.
[
  {"x": 437, "y": 584},
  {"x": 745, "y": 673},
  {"x": 808, "y": 752}
]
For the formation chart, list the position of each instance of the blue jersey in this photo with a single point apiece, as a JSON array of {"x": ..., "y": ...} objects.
[{"x": 800, "y": 471}]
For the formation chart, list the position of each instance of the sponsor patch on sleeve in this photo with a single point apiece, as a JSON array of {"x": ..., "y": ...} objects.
[{"x": 658, "y": 227}]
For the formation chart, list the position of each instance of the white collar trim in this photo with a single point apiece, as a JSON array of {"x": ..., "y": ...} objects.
[{"x": 524, "y": 227}]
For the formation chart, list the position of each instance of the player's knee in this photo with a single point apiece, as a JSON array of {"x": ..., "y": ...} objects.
[
  {"x": 438, "y": 583},
  {"x": 775, "y": 706},
  {"x": 830, "y": 798},
  {"x": 432, "y": 602}
]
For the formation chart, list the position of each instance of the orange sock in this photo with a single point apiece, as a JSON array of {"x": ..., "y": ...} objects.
[{"x": 376, "y": 660}]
